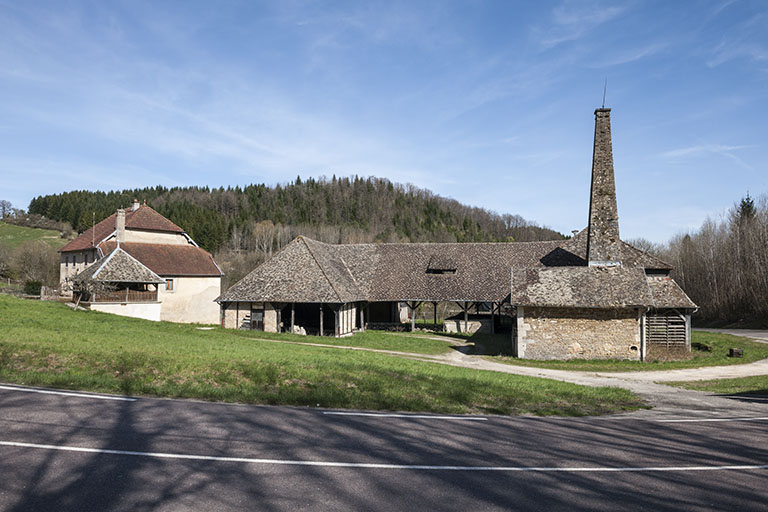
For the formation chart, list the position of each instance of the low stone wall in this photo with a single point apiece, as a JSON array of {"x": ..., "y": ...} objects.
[
  {"x": 388, "y": 326},
  {"x": 564, "y": 333}
]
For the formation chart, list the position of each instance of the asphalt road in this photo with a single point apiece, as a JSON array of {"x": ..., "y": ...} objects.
[{"x": 61, "y": 452}]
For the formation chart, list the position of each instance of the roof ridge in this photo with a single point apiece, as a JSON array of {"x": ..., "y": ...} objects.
[
  {"x": 325, "y": 274},
  {"x": 106, "y": 260}
]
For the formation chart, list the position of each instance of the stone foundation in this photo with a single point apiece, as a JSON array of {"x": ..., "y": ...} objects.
[{"x": 565, "y": 333}]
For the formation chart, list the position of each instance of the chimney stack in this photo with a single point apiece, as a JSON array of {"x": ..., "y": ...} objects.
[
  {"x": 135, "y": 205},
  {"x": 603, "y": 243},
  {"x": 120, "y": 226}
]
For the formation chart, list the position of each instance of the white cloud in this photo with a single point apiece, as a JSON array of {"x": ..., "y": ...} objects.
[
  {"x": 708, "y": 149},
  {"x": 572, "y": 20}
]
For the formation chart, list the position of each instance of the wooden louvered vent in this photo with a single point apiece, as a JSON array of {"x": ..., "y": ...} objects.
[{"x": 666, "y": 329}]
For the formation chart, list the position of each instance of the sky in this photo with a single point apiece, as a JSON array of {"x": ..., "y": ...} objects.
[{"x": 490, "y": 103}]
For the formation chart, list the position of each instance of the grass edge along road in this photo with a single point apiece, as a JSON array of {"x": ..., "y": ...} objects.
[
  {"x": 495, "y": 348},
  {"x": 756, "y": 386},
  {"x": 48, "y": 344}
]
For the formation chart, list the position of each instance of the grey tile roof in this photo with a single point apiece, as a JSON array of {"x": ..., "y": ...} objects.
[
  {"x": 118, "y": 267},
  {"x": 310, "y": 271},
  {"x": 667, "y": 294},
  {"x": 581, "y": 287}
]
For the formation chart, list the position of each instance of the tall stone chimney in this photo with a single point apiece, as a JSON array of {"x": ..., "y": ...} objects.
[
  {"x": 135, "y": 205},
  {"x": 603, "y": 243},
  {"x": 120, "y": 226}
]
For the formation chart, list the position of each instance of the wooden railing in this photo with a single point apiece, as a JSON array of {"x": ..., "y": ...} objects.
[{"x": 125, "y": 296}]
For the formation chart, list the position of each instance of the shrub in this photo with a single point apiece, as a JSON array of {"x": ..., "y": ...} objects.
[{"x": 32, "y": 287}]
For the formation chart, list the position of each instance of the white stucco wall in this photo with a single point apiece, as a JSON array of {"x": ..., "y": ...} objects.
[
  {"x": 153, "y": 237},
  {"x": 191, "y": 301},
  {"x": 147, "y": 311}
]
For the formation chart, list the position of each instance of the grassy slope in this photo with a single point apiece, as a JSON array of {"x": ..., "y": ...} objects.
[
  {"x": 370, "y": 339},
  {"x": 496, "y": 346},
  {"x": 757, "y": 385},
  {"x": 13, "y": 236},
  {"x": 48, "y": 344}
]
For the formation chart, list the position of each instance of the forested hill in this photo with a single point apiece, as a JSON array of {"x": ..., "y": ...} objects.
[{"x": 340, "y": 210}]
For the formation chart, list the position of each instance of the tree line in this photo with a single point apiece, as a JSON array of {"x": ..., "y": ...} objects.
[
  {"x": 723, "y": 266},
  {"x": 262, "y": 218}
]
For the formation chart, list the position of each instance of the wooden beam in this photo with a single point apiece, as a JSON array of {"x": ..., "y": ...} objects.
[{"x": 493, "y": 318}]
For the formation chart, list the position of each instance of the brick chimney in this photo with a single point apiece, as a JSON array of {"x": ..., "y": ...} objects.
[
  {"x": 135, "y": 205},
  {"x": 120, "y": 226},
  {"x": 603, "y": 243}
]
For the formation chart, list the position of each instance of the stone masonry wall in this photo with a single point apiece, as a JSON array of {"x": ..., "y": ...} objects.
[{"x": 564, "y": 333}]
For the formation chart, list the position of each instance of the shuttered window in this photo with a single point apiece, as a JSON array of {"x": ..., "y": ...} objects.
[{"x": 666, "y": 329}]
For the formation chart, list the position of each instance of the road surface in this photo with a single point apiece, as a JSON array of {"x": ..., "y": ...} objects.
[{"x": 78, "y": 451}]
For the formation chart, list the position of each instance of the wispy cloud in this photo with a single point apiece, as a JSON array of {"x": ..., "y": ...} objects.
[
  {"x": 631, "y": 55},
  {"x": 746, "y": 40},
  {"x": 708, "y": 149},
  {"x": 572, "y": 20}
]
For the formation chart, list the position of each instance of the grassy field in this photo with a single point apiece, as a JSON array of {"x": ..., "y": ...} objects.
[
  {"x": 13, "y": 236},
  {"x": 498, "y": 347},
  {"x": 47, "y": 344},
  {"x": 369, "y": 339},
  {"x": 744, "y": 386}
]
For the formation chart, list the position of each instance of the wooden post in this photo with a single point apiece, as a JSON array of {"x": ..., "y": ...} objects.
[
  {"x": 362, "y": 318},
  {"x": 466, "y": 317},
  {"x": 434, "y": 313},
  {"x": 279, "y": 311},
  {"x": 337, "y": 323},
  {"x": 493, "y": 318},
  {"x": 321, "y": 319},
  {"x": 293, "y": 315}
]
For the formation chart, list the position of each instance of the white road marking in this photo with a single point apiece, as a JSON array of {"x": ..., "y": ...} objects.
[
  {"x": 411, "y": 416},
  {"x": 694, "y": 420},
  {"x": 365, "y": 465},
  {"x": 65, "y": 393}
]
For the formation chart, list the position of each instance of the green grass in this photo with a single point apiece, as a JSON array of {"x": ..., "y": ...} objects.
[
  {"x": 757, "y": 385},
  {"x": 13, "y": 236},
  {"x": 370, "y": 339},
  {"x": 47, "y": 344},
  {"x": 498, "y": 347}
]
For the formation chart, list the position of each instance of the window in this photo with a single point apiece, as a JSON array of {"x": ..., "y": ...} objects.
[{"x": 169, "y": 285}]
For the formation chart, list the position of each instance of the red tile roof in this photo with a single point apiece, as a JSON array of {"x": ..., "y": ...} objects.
[
  {"x": 145, "y": 218},
  {"x": 169, "y": 259}
]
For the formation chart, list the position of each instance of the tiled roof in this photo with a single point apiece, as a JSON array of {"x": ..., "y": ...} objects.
[
  {"x": 118, "y": 267},
  {"x": 580, "y": 287},
  {"x": 667, "y": 294},
  {"x": 145, "y": 219},
  {"x": 170, "y": 259},
  {"x": 310, "y": 271}
]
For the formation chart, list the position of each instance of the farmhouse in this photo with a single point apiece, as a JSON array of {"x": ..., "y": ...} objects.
[
  {"x": 138, "y": 263},
  {"x": 593, "y": 296}
]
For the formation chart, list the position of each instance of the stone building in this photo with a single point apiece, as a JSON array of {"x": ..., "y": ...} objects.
[
  {"x": 592, "y": 296},
  {"x": 166, "y": 276}
]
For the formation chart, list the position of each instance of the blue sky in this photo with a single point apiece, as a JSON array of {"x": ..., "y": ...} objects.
[{"x": 490, "y": 103}]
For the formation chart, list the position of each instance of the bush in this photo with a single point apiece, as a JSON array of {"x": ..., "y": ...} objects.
[{"x": 32, "y": 287}]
